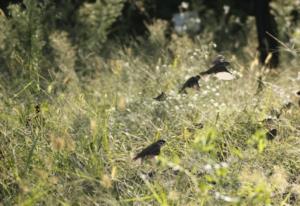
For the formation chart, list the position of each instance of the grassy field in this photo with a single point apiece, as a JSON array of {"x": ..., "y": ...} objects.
[{"x": 77, "y": 147}]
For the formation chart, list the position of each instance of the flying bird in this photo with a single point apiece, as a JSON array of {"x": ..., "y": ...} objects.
[
  {"x": 216, "y": 68},
  {"x": 150, "y": 151},
  {"x": 219, "y": 69},
  {"x": 192, "y": 82},
  {"x": 161, "y": 97}
]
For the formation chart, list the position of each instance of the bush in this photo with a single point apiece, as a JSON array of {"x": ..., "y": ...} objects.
[{"x": 27, "y": 52}]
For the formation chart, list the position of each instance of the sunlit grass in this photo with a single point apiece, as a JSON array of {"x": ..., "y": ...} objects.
[{"x": 78, "y": 150}]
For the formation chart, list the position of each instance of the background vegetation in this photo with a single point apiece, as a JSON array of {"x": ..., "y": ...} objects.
[{"x": 96, "y": 110}]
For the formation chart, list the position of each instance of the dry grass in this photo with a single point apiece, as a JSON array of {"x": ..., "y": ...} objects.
[{"x": 78, "y": 150}]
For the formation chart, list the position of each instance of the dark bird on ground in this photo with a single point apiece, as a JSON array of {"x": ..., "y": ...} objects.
[
  {"x": 161, "y": 97},
  {"x": 192, "y": 82},
  {"x": 150, "y": 151},
  {"x": 219, "y": 69},
  {"x": 271, "y": 134},
  {"x": 298, "y": 93}
]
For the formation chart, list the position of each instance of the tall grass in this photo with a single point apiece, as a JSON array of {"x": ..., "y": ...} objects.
[{"x": 78, "y": 149}]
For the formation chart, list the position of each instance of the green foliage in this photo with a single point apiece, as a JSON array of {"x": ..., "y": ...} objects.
[
  {"x": 258, "y": 140},
  {"x": 206, "y": 141},
  {"x": 94, "y": 21},
  {"x": 23, "y": 41},
  {"x": 79, "y": 148},
  {"x": 32, "y": 38}
]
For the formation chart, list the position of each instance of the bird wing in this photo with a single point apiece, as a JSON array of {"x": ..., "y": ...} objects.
[
  {"x": 217, "y": 68},
  {"x": 211, "y": 70}
]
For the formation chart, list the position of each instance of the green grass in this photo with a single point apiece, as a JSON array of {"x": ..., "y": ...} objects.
[{"x": 78, "y": 150}]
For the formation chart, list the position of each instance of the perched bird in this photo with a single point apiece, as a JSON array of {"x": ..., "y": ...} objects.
[
  {"x": 271, "y": 134},
  {"x": 150, "y": 151},
  {"x": 192, "y": 82},
  {"x": 161, "y": 97},
  {"x": 219, "y": 69}
]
